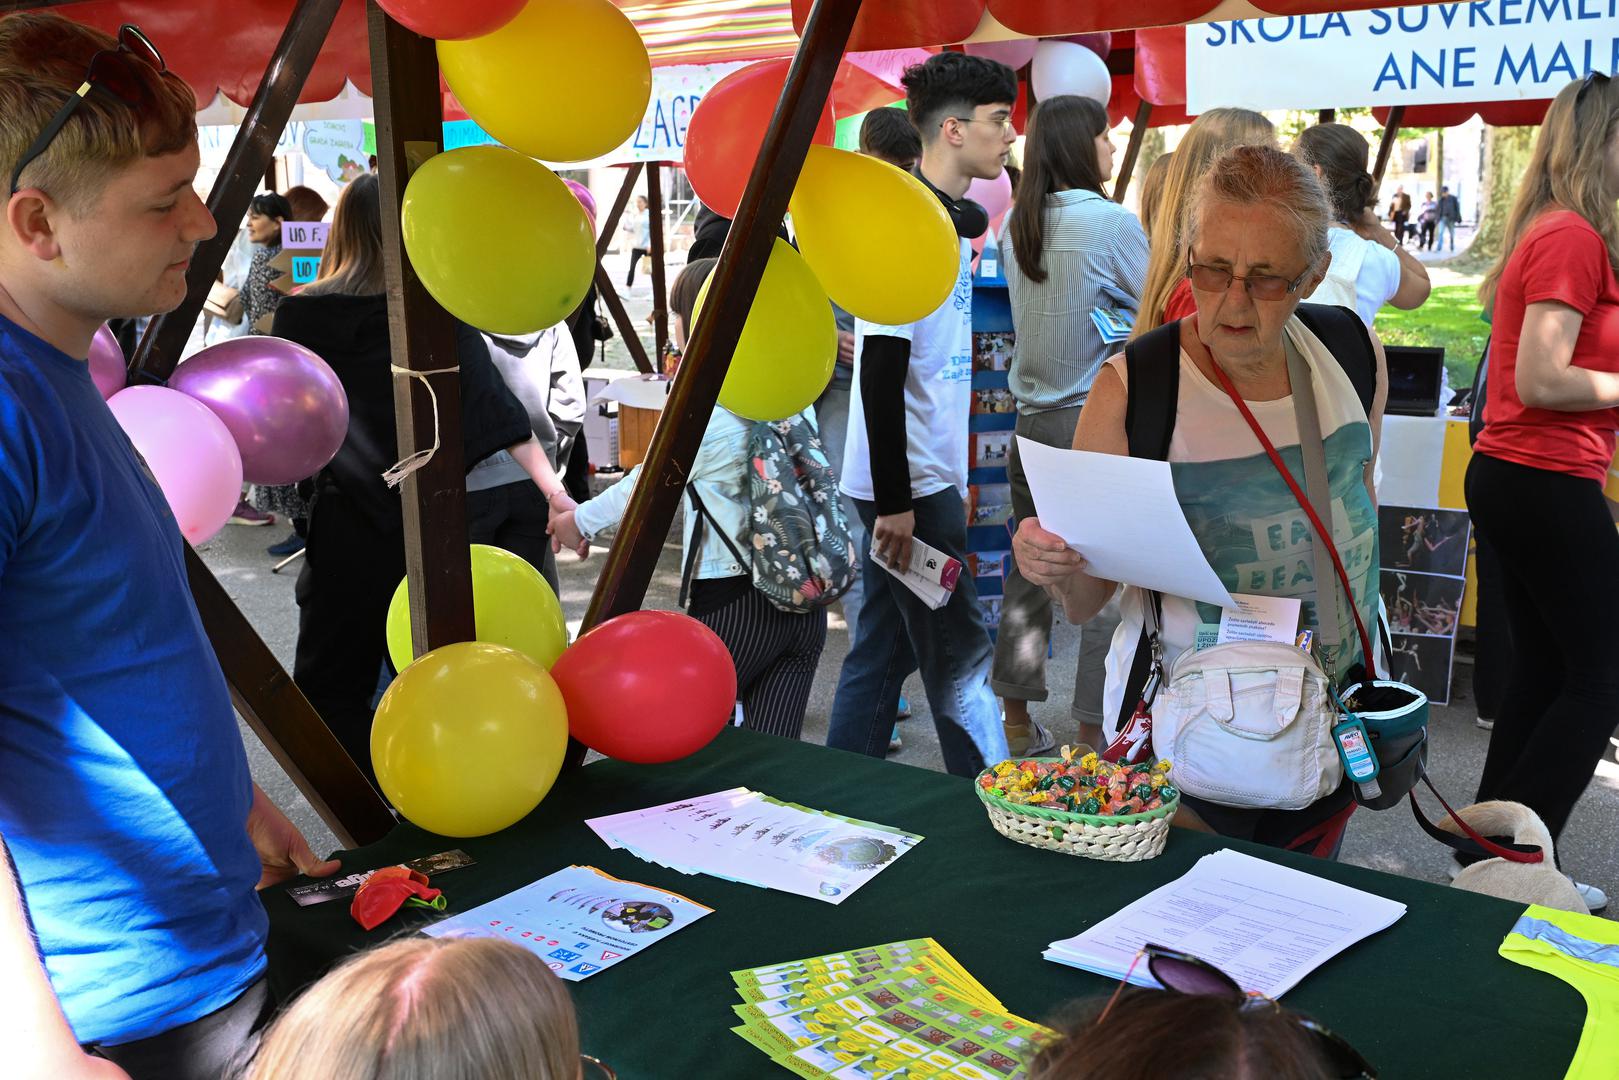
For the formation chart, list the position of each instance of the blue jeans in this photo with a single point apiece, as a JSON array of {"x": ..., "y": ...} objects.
[
  {"x": 898, "y": 634},
  {"x": 832, "y": 414},
  {"x": 1444, "y": 228}
]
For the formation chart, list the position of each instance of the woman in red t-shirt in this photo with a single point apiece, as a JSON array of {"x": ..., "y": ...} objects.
[{"x": 1534, "y": 487}]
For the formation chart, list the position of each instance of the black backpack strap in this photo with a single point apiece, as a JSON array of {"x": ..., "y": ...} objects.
[
  {"x": 1349, "y": 342},
  {"x": 1475, "y": 419},
  {"x": 697, "y": 543},
  {"x": 1152, "y": 366}
]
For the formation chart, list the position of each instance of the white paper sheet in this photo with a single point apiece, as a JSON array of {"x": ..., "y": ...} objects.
[
  {"x": 1260, "y": 618},
  {"x": 1265, "y": 925},
  {"x": 1122, "y": 515},
  {"x": 1410, "y": 461}
]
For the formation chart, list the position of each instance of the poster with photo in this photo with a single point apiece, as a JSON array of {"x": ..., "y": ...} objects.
[
  {"x": 1424, "y": 555},
  {"x": 989, "y": 504},
  {"x": 993, "y": 401},
  {"x": 991, "y": 449},
  {"x": 1427, "y": 541},
  {"x": 992, "y": 350}
]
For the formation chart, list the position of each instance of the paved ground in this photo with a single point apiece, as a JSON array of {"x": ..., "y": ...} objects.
[{"x": 1387, "y": 841}]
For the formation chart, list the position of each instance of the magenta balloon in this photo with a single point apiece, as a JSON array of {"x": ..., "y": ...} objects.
[
  {"x": 107, "y": 366},
  {"x": 190, "y": 453},
  {"x": 1100, "y": 43},
  {"x": 283, "y": 404},
  {"x": 995, "y": 196},
  {"x": 586, "y": 199},
  {"x": 1014, "y": 54}
]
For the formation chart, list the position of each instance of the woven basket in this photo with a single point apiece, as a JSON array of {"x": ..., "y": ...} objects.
[{"x": 1126, "y": 838}]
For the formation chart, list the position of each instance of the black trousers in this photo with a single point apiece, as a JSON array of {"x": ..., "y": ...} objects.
[
  {"x": 776, "y": 653},
  {"x": 351, "y": 569},
  {"x": 215, "y": 1046},
  {"x": 1492, "y": 636},
  {"x": 1559, "y": 559},
  {"x": 513, "y": 517},
  {"x": 635, "y": 259}
]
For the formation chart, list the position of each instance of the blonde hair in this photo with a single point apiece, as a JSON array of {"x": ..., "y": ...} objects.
[
  {"x": 1152, "y": 191},
  {"x": 1211, "y": 134},
  {"x": 351, "y": 262},
  {"x": 1265, "y": 176},
  {"x": 1567, "y": 170},
  {"x": 43, "y": 60},
  {"x": 427, "y": 1009}
]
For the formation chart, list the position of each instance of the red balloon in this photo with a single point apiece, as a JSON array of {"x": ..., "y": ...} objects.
[
  {"x": 450, "y": 20},
  {"x": 1100, "y": 43},
  {"x": 647, "y": 687},
  {"x": 728, "y": 128}
]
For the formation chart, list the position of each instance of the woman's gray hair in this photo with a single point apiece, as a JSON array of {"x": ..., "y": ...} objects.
[{"x": 1264, "y": 175}]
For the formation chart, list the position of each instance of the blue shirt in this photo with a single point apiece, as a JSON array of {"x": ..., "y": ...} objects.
[{"x": 124, "y": 788}]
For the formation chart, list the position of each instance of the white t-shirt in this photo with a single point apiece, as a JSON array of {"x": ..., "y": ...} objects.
[
  {"x": 938, "y": 396},
  {"x": 1364, "y": 274}
]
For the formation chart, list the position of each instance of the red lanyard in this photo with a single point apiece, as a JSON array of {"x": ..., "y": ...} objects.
[{"x": 1303, "y": 501}]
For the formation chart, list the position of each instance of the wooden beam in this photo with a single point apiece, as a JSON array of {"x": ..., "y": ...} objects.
[
  {"x": 283, "y": 719},
  {"x": 660, "y": 289},
  {"x": 410, "y": 129},
  {"x": 630, "y": 564},
  {"x": 1385, "y": 146},
  {"x": 609, "y": 224},
  {"x": 1138, "y": 132},
  {"x": 252, "y": 152},
  {"x": 621, "y": 318}
]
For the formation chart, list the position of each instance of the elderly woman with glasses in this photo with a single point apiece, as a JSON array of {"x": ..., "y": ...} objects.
[{"x": 1255, "y": 246}]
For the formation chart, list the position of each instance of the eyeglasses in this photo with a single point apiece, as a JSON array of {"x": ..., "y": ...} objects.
[
  {"x": 1005, "y": 124},
  {"x": 594, "y": 1068},
  {"x": 109, "y": 71},
  {"x": 1259, "y": 286},
  {"x": 1183, "y": 973}
]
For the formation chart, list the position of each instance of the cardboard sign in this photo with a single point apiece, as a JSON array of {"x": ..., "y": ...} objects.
[{"x": 304, "y": 235}]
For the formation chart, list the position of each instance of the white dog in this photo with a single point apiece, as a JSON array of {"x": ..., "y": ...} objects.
[{"x": 1527, "y": 883}]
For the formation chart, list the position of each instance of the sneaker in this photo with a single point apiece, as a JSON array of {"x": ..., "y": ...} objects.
[
  {"x": 292, "y": 545},
  {"x": 1485, "y": 722},
  {"x": 1595, "y": 899},
  {"x": 245, "y": 514},
  {"x": 1031, "y": 742},
  {"x": 894, "y": 742},
  {"x": 904, "y": 712}
]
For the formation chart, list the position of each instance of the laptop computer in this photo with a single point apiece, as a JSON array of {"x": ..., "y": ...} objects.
[{"x": 1416, "y": 376}]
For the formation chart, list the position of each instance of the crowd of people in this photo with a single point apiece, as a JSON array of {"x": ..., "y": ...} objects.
[{"x": 131, "y": 939}]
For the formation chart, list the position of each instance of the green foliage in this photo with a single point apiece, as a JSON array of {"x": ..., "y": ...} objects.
[{"x": 1450, "y": 318}]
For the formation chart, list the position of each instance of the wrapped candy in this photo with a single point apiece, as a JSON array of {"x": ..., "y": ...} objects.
[{"x": 1080, "y": 783}]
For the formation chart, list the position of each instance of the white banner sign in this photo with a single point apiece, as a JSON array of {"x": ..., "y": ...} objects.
[{"x": 1490, "y": 50}]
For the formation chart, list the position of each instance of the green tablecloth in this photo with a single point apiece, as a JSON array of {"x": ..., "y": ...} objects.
[{"x": 1427, "y": 997}]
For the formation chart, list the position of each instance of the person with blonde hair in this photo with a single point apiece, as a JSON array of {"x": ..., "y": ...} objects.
[
  {"x": 1166, "y": 296},
  {"x": 1256, "y": 246},
  {"x": 1151, "y": 193},
  {"x": 1534, "y": 486},
  {"x": 132, "y": 836},
  {"x": 444, "y": 1008}
]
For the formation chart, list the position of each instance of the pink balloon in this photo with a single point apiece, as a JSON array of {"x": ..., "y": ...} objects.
[
  {"x": 107, "y": 365},
  {"x": 189, "y": 451},
  {"x": 586, "y": 199},
  {"x": 1014, "y": 54},
  {"x": 995, "y": 196},
  {"x": 284, "y": 406}
]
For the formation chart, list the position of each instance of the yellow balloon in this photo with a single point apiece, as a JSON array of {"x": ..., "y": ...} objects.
[
  {"x": 498, "y": 239},
  {"x": 880, "y": 242},
  {"x": 566, "y": 80},
  {"x": 513, "y": 605},
  {"x": 469, "y": 739},
  {"x": 789, "y": 344}
]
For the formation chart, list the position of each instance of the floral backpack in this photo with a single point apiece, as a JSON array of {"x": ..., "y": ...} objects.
[{"x": 802, "y": 556}]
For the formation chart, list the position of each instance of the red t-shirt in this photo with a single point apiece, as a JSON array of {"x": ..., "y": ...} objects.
[
  {"x": 1180, "y": 304},
  {"x": 1563, "y": 259}
]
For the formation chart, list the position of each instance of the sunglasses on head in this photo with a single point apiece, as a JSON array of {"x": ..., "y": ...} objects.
[
  {"x": 109, "y": 71},
  {"x": 1182, "y": 973}
]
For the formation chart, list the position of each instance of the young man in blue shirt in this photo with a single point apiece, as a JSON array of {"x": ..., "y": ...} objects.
[
  {"x": 905, "y": 464},
  {"x": 130, "y": 932}
]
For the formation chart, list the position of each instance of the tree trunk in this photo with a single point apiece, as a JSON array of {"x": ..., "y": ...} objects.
[{"x": 1506, "y": 155}]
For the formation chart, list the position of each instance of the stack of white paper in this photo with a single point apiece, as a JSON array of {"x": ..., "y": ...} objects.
[
  {"x": 744, "y": 836},
  {"x": 1266, "y": 926}
]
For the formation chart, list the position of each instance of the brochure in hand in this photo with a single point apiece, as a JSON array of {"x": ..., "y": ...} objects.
[
  {"x": 905, "y": 1009},
  {"x": 746, "y": 836}
]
